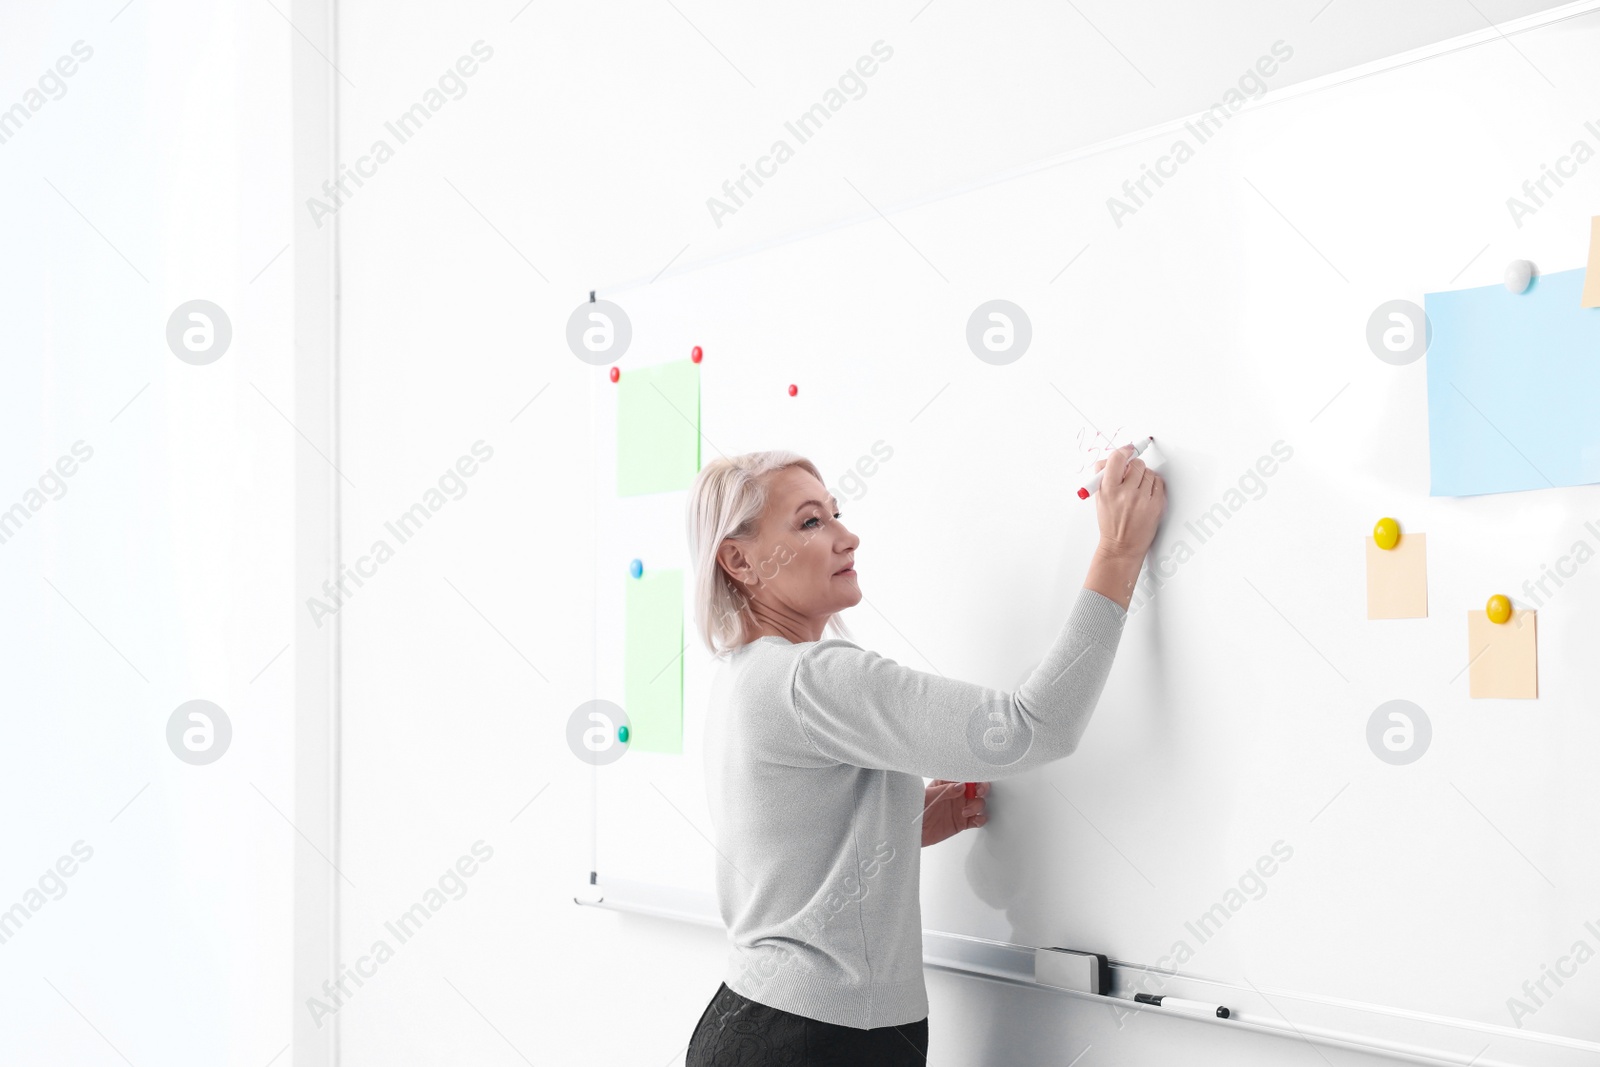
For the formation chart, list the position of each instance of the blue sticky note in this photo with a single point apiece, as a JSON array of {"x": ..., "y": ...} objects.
[{"x": 1513, "y": 388}]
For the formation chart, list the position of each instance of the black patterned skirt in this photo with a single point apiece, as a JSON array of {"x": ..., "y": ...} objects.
[{"x": 735, "y": 1031}]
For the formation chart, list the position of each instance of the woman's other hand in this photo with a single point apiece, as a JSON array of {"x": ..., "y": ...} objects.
[{"x": 946, "y": 811}]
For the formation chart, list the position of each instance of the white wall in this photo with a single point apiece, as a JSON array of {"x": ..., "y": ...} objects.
[{"x": 155, "y": 174}]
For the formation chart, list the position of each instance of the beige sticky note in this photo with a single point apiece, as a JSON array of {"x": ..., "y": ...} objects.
[
  {"x": 1591, "y": 277},
  {"x": 1505, "y": 656},
  {"x": 1397, "y": 578}
]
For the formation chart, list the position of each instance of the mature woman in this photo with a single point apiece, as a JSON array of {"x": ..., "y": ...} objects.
[{"x": 816, "y": 750}]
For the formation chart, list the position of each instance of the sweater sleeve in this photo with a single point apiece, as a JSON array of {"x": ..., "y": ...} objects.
[{"x": 859, "y": 708}]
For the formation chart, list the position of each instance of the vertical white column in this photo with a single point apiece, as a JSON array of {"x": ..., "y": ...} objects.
[{"x": 316, "y": 414}]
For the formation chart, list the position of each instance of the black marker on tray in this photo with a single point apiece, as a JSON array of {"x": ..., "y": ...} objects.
[{"x": 1185, "y": 1005}]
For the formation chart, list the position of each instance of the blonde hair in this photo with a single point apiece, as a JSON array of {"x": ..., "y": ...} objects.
[{"x": 726, "y": 501}]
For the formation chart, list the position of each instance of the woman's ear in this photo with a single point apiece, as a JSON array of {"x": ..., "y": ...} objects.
[{"x": 733, "y": 561}]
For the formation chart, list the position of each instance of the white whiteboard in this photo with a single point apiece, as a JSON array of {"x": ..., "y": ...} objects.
[{"x": 1226, "y": 315}]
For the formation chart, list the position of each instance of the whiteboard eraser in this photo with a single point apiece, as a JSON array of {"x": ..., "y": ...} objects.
[{"x": 1065, "y": 968}]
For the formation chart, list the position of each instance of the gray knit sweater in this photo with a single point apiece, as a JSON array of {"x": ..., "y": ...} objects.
[{"x": 815, "y": 759}]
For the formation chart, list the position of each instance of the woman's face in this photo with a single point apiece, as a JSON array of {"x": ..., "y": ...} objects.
[{"x": 799, "y": 569}]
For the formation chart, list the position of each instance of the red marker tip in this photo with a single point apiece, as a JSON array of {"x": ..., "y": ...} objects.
[{"x": 1083, "y": 494}]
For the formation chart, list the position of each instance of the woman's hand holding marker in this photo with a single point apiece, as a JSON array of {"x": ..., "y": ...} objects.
[
  {"x": 1129, "y": 504},
  {"x": 1094, "y": 481}
]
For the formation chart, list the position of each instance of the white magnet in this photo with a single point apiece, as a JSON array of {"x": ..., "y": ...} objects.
[{"x": 1519, "y": 275}]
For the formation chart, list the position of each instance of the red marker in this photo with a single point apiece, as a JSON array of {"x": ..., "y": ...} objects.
[
  {"x": 1094, "y": 483},
  {"x": 971, "y": 791}
]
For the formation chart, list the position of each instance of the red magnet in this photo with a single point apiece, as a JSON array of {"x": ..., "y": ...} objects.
[
  {"x": 793, "y": 390},
  {"x": 695, "y": 354},
  {"x": 615, "y": 374}
]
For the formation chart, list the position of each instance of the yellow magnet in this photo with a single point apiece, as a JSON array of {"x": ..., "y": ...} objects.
[
  {"x": 1386, "y": 533},
  {"x": 1499, "y": 608}
]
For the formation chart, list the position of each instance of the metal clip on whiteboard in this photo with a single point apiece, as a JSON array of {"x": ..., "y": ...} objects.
[{"x": 590, "y": 892}]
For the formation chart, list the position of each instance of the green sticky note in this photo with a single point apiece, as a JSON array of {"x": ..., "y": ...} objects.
[
  {"x": 653, "y": 662},
  {"x": 658, "y": 428}
]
